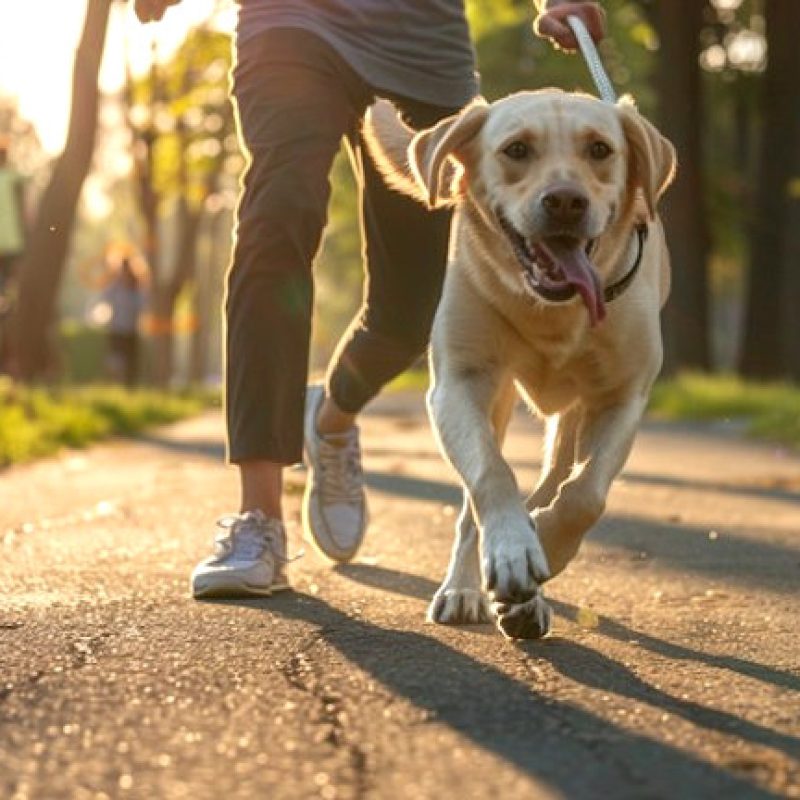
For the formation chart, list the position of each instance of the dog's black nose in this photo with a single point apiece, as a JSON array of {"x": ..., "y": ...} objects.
[{"x": 565, "y": 204}]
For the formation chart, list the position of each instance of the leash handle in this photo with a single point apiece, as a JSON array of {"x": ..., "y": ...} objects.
[{"x": 593, "y": 60}]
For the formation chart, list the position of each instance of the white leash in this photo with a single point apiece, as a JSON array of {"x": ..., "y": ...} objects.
[
  {"x": 608, "y": 95},
  {"x": 593, "y": 60}
]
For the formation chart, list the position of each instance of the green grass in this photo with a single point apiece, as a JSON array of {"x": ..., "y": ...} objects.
[
  {"x": 769, "y": 411},
  {"x": 35, "y": 422}
]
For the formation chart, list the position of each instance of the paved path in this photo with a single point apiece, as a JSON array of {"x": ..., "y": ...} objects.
[{"x": 673, "y": 671}]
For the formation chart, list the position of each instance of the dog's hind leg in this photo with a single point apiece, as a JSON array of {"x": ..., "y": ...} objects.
[
  {"x": 604, "y": 440},
  {"x": 460, "y": 600},
  {"x": 559, "y": 456}
]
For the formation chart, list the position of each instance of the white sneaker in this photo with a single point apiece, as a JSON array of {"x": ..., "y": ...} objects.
[
  {"x": 334, "y": 505},
  {"x": 249, "y": 558}
]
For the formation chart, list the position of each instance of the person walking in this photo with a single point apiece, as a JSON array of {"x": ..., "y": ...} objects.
[
  {"x": 304, "y": 75},
  {"x": 124, "y": 295}
]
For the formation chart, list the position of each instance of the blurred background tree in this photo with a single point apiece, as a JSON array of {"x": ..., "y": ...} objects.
[
  {"x": 185, "y": 154},
  {"x": 32, "y": 351},
  {"x": 718, "y": 76},
  {"x": 772, "y": 330}
]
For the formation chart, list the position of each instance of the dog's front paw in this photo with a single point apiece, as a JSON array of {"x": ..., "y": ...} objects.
[
  {"x": 459, "y": 607},
  {"x": 529, "y": 620},
  {"x": 514, "y": 563}
]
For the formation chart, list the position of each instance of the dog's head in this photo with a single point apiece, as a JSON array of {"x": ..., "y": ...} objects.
[{"x": 553, "y": 171}]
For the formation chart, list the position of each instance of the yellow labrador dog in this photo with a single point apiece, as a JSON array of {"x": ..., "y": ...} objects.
[{"x": 558, "y": 273}]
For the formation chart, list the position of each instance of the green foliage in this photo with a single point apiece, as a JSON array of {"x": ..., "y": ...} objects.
[
  {"x": 770, "y": 410},
  {"x": 35, "y": 422},
  {"x": 26, "y": 154},
  {"x": 486, "y": 16},
  {"x": 731, "y": 97},
  {"x": 512, "y": 58},
  {"x": 183, "y": 108}
]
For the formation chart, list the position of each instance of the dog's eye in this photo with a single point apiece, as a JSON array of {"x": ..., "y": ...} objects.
[
  {"x": 517, "y": 151},
  {"x": 599, "y": 151}
]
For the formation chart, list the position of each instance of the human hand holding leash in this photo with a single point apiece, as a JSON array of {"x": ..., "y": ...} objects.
[
  {"x": 551, "y": 22},
  {"x": 152, "y": 10}
]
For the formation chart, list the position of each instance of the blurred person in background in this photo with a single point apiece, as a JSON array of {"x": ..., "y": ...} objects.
[
  {"x": 122, "y": 301},
  {"x": 305, "y": 73}
]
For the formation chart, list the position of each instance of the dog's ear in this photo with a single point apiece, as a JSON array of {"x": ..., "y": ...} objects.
[
  {"x": 652, "y": 160},
  {"x": 432, "y": 151}
]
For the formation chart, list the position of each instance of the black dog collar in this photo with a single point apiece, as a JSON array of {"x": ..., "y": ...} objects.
[{"x": 616, "y": 289}]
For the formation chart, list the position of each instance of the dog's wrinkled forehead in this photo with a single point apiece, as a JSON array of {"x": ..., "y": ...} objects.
[{"x": 550, "y": 116}]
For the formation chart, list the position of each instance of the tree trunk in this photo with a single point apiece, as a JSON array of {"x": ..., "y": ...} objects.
[
  {"x": 790, "y": 296},
  {"x": 165, "y": 294},
  {"x": 771, "y": 312},
  {"x": 166, "y": 288},
  {"x": 42, "y": 268},
  {"x": 686, "y": 317}
]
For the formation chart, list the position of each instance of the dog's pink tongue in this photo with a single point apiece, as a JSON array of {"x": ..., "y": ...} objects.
[{"x": 580, "y": 273}]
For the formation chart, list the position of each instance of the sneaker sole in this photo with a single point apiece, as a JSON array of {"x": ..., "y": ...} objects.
[
  {"x": 324, "y": 548},
  {"x": 244, "y": 589},
  {"x": 328, "y": 549}
]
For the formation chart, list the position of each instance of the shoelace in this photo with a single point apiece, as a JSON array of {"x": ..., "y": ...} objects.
[
  {"x": 248, "y": 537},
  {"x": 341, "y": 473}
]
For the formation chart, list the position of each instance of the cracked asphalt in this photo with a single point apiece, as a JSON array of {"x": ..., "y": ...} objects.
[{"x": 673, "y": 670}]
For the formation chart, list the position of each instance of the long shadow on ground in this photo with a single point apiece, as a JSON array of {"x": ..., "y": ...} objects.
[
  {"x": 574, "y": 751},
  {"x": 417, "y": 586},
  {"x": 599, "y": 672}
]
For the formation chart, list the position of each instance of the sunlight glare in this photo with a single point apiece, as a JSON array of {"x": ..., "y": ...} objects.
[{"x": 39, "y": 75}]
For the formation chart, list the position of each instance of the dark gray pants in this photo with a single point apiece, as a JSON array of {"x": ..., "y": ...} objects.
[{"x": 296, "y": 99}]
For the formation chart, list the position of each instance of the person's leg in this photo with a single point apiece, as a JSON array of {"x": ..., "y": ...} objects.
[
  {"x": 130, "y": 350},
  {"x": 406, "y": 252},
  {"x": 296, "y": 100},
  {"x": 115, "y": 358}
]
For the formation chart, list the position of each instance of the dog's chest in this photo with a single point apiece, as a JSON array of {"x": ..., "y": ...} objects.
[
  {"x": 543, "y": 346},
  {"x": 556, "y": 382},
  {"x": 549, "y": 390}
]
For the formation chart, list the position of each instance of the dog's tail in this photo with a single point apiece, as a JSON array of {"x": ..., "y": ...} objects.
[{"x": 388, "y": 140}]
